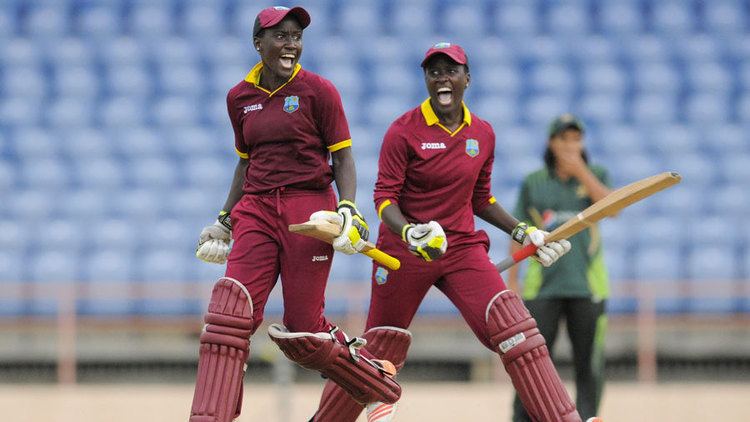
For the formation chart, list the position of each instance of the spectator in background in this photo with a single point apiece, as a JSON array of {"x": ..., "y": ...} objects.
[
  {"x": 576, "y": 287},
  {"x": 287, "y": 123}
]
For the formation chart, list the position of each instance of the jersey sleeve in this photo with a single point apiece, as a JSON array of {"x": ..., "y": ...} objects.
[
  {"x": 482, "y": 195},
  {"x": 394, "y": 157},
  {"x": 239, "y": 141},
  {"x": 334, "y": 128}
]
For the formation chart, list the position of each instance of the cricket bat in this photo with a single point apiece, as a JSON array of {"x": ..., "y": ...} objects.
[
  {"x": 605, "y": 207},
  {"x": 327, "y": 231}
]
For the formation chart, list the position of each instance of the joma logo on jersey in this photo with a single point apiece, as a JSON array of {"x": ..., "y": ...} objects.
[
  {"x": 318, "y": 258},
  {"x": 254, "y": 107},
  {"x": 291, "y": 104},
  {"x": 433, "y": 145}
]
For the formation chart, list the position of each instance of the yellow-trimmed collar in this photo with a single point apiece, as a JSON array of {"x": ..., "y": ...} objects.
[
  {"x": 432, "y": 119},
  {"x": 253, "y": 77}
]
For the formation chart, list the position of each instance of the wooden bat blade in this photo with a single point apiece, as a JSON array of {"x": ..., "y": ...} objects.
[
  {"x": 614, "y": 203},
  {"x": 327, "y": 231},
  {"x": 605, "y": 207}
]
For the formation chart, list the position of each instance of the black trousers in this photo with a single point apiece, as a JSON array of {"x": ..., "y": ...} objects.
[{"x": 586, "y": 325}]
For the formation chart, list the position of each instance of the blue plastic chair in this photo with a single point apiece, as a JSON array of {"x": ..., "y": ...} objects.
[
  {"x": 499, "y": 110},
  {"x": 129, "y": 80},
  {"x": 463, "y": 21},
  {"x": 708, "y": 108},
  {"x": 605, "y": 78},
  {"x": 82, "y": 144},
  {"x": 672, "y": 18},
  {"x": 70, "y": 113},
  {"x": 173, "y": 50},
  {"x": 201, "y": 20},
  {"x": 412, "y": 19},
  {"x": 69, "y": 51},
  {"x": 540, "y": 109},
  {"x": 151, "y": 21},
  {"x": 604, "y": 108},
  {"x": 100, "y": 173},
  {"x": 85, "y": 204},
  {"x": 119, "y": 112},
  {"x": 712, "y": 263},
  {"x": 155, "y": 173},
  {"x": 123, "y": 50},
  {"x": 99, "y": 22},
  {"x": 660, "y": 263},
  {"x": 21, "y": 51},
  {"x": 176, "y": 110},
  {"x": 45, "y": 173},
  {"x": 24, "y": 81},
  {"x": 696, "y": 169},
  {"x": 654, "y": 108},
  {"x": 568, "y": 19},
  {"x": 723, "y": 138},
  {"x": 724, "y": 17},
  {"x": 46, "y": 22},
  {"x": 552, "y": 78},
  {"x": 140, "y": 204},
  {"x": 620, "y": 17},
  {"x": 34, "y": 143},
  {"x": 516, "y": 19},
  {"x": 729, "y": 202}
]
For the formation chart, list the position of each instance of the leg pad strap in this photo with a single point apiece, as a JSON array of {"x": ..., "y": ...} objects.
[{"x": 365, "y": 380}]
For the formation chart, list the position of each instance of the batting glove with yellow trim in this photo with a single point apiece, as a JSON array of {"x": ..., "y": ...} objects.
[
  {"x": 425, "y": 240},
  {"x": 546, "y": 253},
  {"x": 354, "y": 229}
]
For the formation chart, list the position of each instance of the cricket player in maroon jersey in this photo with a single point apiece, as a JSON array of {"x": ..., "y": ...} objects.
[
  {"x": 287, "y": 123},
  {"x": 434, "y": 177}
]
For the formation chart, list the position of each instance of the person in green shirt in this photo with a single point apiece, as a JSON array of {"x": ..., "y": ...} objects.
[{"x": 576, "y": 286}]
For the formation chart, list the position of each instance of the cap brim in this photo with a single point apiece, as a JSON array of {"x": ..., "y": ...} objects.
[
  {"x": 453, "y": 55},
  {"x": 301, "y": 14}
]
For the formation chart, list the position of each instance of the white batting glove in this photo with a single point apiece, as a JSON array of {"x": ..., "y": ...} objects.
[
  {"x": 343, "y": 243},
  {"x": 426, "y": 240},
  {"x": 214, "y": 240},
  {"x": 546, "y": 253}
]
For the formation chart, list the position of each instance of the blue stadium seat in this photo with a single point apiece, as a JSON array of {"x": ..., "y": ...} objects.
[
  {"x": 617, "y": 139},
  {"x": 543, "y": 48},
  {"x": 121, "y": 112},
  {"x": 195, "y": 203},
  {"x": 152, "y": 172},
  {"x": 620, "y": 17},
  {"x": 568, "y": 19},
  {"x": 20, "y": 52},
  {"x": 681, "y": 200},
  {"x": 617, "y": 233},
  {"x": 516, "y": 19},
  {"x": 243, "y": 16},
  {"x": 194, "y": 141},
  {"x": 70, "y": 112},
  {"x": 645, "y": 49},
  {"x": 100, "y": 173},
  {"x": 463, "y": 21},
  {"x": 138, "y": 142},
  {"x": 172, "y": 234},
  {"x": 412, "y": 19},
  {"x": 12, "y": 265},
  {"x": 203, "y": 20},
  {"x": 384, "y": 109},
  {"x": 673, "y": 138},
  {"x": 128, "y": 80},
  {"x": 181, "y": 79},
  {"x": 229, "y": 51},
  {"x": 34, "y": 143},
  {"x": 205, "y": 173},
  {"x": 732, "y": 138},
  {"x": 724, "y": 17},
  {"x": 55, "y": 265},
  {"x": 436, "y": 303},
  {"x": 629, "y": 168},
  {"x": 140, "y": 204},
  {"x": 540, "y": 109},
  {"x": 84, "y": 144},
  {"x": 672, "y": 18},
  {"x": 710, "y": 77},
  {"x": 351, "y": 16},
  {"x": 151, "y": 21},
  {"x": 116, "y": 233},
  {"x": 699, "y": 48},
  {"x": 671, "y": 230},
  {"x": 391, "y": 51},
  {"x": 498, "y": 79},
  {"x": 46, "y": 22},
  {"x": 162, "y": 264},
  {"x": 173, "y": 51},
  {"x": 121, "y": 51},
  {"x": 62, "y": 234},
  {"x": 730, "y": 202},
  {"x": 84, "y": 204},
  {"x": 109, "y": 292},
  {"x": 405, "y": 80},
  {"x": 654, "y": 108},
  {"x": 603, "y": 108},
  {"x": 8, "y": 177},
  {"x": 552, "y": 78},
  {"x": 99, "y": 22},
  {"x": 514, "y": 140},
  {"x": 24, "y": 81},
  {"x": 366, "y": 141},
  {"x": 713, "y": 231},
  {"x": 708, "y": 108},
  {"x": 45, "y": 173},
  {"x": 19, "y": 111},
  {"x": 696, "y": 169},
  {"x": 176, "y": 110},
  {"x": 604, "y": 78},
  {"x": 660, "y": 263},
  {"x": 70, "y": 52},
  {"x": 656, "y": 77},
  {"x": 706, "y": 265},
  {"x": 499, "y": 110},
  {"x": 7, "y": 24}
]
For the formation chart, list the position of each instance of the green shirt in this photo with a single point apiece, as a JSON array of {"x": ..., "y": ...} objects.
[{"x": 546, "y": 202}]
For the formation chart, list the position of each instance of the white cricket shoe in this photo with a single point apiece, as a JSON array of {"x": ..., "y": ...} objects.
[{"x": 380, "y": 412}]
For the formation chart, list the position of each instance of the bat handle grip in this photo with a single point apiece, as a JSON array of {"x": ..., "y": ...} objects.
[
  {"x": 383, "y": 258},
  {"x": 517, "y": 257}
]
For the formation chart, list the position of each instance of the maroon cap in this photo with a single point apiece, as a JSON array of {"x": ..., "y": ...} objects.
[
  {"x": 271, "y": 16},
  {"x": 454, "y": 51}
]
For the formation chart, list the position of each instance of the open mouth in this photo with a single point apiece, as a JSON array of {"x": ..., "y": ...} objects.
[
  {"x": 444, "y": 96},
  {"x": 287, "y": 61}
]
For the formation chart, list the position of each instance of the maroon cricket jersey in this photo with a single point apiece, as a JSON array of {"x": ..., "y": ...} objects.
[
  {"x": 287, "y": 134},
  {"x": 431, "y": 173}
]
